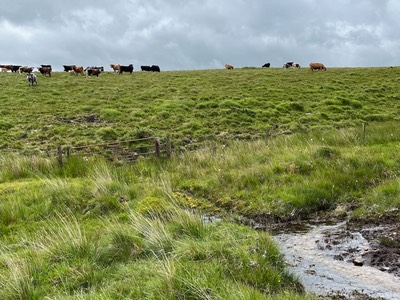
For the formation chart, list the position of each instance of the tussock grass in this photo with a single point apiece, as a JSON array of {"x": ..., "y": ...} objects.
[
  {"x": 100, "y": 229},
  {"x": 191, "y": 105},
  {"x": 267, "y": 144},
  {"x": 70, "y": 258},
  {"x": 289, "y": 176}
]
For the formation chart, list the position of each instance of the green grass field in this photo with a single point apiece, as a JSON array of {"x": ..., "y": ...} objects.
[
  {"x": 271, "y": 144},
  {"x": 191, "y": 105}
]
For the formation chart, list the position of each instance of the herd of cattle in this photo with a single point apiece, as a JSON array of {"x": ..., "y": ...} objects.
[
  {"x": 288, "y": 65},
  {"x": 73, "y": 69},
  {"x": 96, "y": 71}
]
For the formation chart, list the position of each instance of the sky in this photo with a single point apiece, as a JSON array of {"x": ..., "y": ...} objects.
[{"x": 200, "y": 34}]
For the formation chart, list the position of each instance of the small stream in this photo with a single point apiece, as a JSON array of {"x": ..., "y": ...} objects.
[{"x": 331, "y": 259}]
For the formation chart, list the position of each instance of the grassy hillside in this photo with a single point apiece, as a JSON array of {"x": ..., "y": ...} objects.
[
  {"x": 191, "y": 105},
  {"x": 93, "y": 229}
]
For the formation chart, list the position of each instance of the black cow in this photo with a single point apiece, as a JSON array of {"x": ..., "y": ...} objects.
[
  {"x": 155, "y": 68},
  {"x": 145, "y": 68},
  {"x": 267, "y": 65},
  {"x": 15, "y": 69},
  {"x": 126, "y": 69},
  {"x": 46, "y": 66},
  {"x": 68, "y": 68}
]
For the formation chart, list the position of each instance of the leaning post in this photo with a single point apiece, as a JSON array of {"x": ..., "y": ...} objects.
[
  {"x": 157, "y": 147},
  {"x": 59, "y": 155}
]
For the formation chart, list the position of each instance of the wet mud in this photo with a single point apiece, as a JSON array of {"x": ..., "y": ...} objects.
[{"x": 344, "y": 260}]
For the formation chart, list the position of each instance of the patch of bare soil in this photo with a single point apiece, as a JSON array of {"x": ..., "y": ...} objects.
[
  {"x": 331, "y": 254},
  {"x": 384, "y": 239}
]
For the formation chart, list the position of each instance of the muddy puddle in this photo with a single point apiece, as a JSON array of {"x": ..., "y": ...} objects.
[{"x": 338, "y": 260}]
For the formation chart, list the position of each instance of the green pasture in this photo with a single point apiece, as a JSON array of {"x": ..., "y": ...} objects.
[
  {"x": 268, "y": 145},
  {"x": 191, "y": 106}
]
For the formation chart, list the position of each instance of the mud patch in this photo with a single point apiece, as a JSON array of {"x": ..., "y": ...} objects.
[{"x": 345, "y": 260}]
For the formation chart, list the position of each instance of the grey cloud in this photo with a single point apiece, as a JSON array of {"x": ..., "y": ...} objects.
[{"x": 190, "y": 34}]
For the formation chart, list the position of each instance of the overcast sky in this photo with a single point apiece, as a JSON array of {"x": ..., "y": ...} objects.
[{"x": 200, "y": 34}]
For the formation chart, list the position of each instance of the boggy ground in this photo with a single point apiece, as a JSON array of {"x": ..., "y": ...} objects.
[
  {"x": 384, "y": 239},
  {"x": 360, "y": 243}
]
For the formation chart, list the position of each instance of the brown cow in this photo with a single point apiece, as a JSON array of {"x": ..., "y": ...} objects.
[
  {"x": 45, "y": 70},
  {"x": 25, "y": 69},
  {"x": 78, "y": 70},
  {"x": 94, "y": 71},
  {"x": 6, "y": 67},
  {"x": 228, "y": 67},
  {"x": 317, "y": 66},
  {"x": 115, "y": 67}
]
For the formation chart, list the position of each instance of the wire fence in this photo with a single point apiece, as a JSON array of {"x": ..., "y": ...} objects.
[{"x": 128, "y": 151}]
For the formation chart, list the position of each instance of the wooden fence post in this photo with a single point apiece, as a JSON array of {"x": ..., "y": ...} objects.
[
  {"x": 157, "y": 147},
  {"x": 363, "y": 137},
  {"x": 59, "y": 155},
  {"x": 168, "y": 146}
]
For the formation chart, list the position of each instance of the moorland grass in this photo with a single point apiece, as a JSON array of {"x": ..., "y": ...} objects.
[
  {"x": 93, "y": 229},
  {"x": 97, "y": 230},
  {"x": 191, "y": 105}
]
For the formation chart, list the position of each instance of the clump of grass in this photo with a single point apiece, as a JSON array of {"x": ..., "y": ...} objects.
[
  {"x": 65, "y": 240},
  {"x": 19, "y": 280}
]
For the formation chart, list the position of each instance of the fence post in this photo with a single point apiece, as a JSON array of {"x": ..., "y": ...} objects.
[
  {"x": 168, "y": 146},
  {"x": 68, "y": 151},
  {"x": 363, "y": 137},
  {"x": 59, "y": 155},
  {"x": 157, "y": 147}
]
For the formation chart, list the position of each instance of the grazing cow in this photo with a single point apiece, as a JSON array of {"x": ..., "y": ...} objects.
[
  {"x": 45, "y": 71},
  {"x": 78, "y": 70},
  {"x": 228, "y": 67},
  {"x": 267, "y": 65},
  {"x": 95, "y": 71},
  {"x": 155, "y": 68},
  {"x": 31, "y": 78},
  {"x": 15, "y": 69},
  {"x": 291, "y": 64},
  {"x": 68, "y": 68},
  {"x": 317, "y": 66},
  {"x": 115, "y": 67},
  {"x": 145, "y": 68},
  {"x": 94, "y": 67},
  {"x": 126, "y": 69},
  {"x": 25, "y": 69},
  {"x": 288, "y": 65}
]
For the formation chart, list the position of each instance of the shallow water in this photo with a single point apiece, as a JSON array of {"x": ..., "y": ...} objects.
[{"x": 325, "y": 259}]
